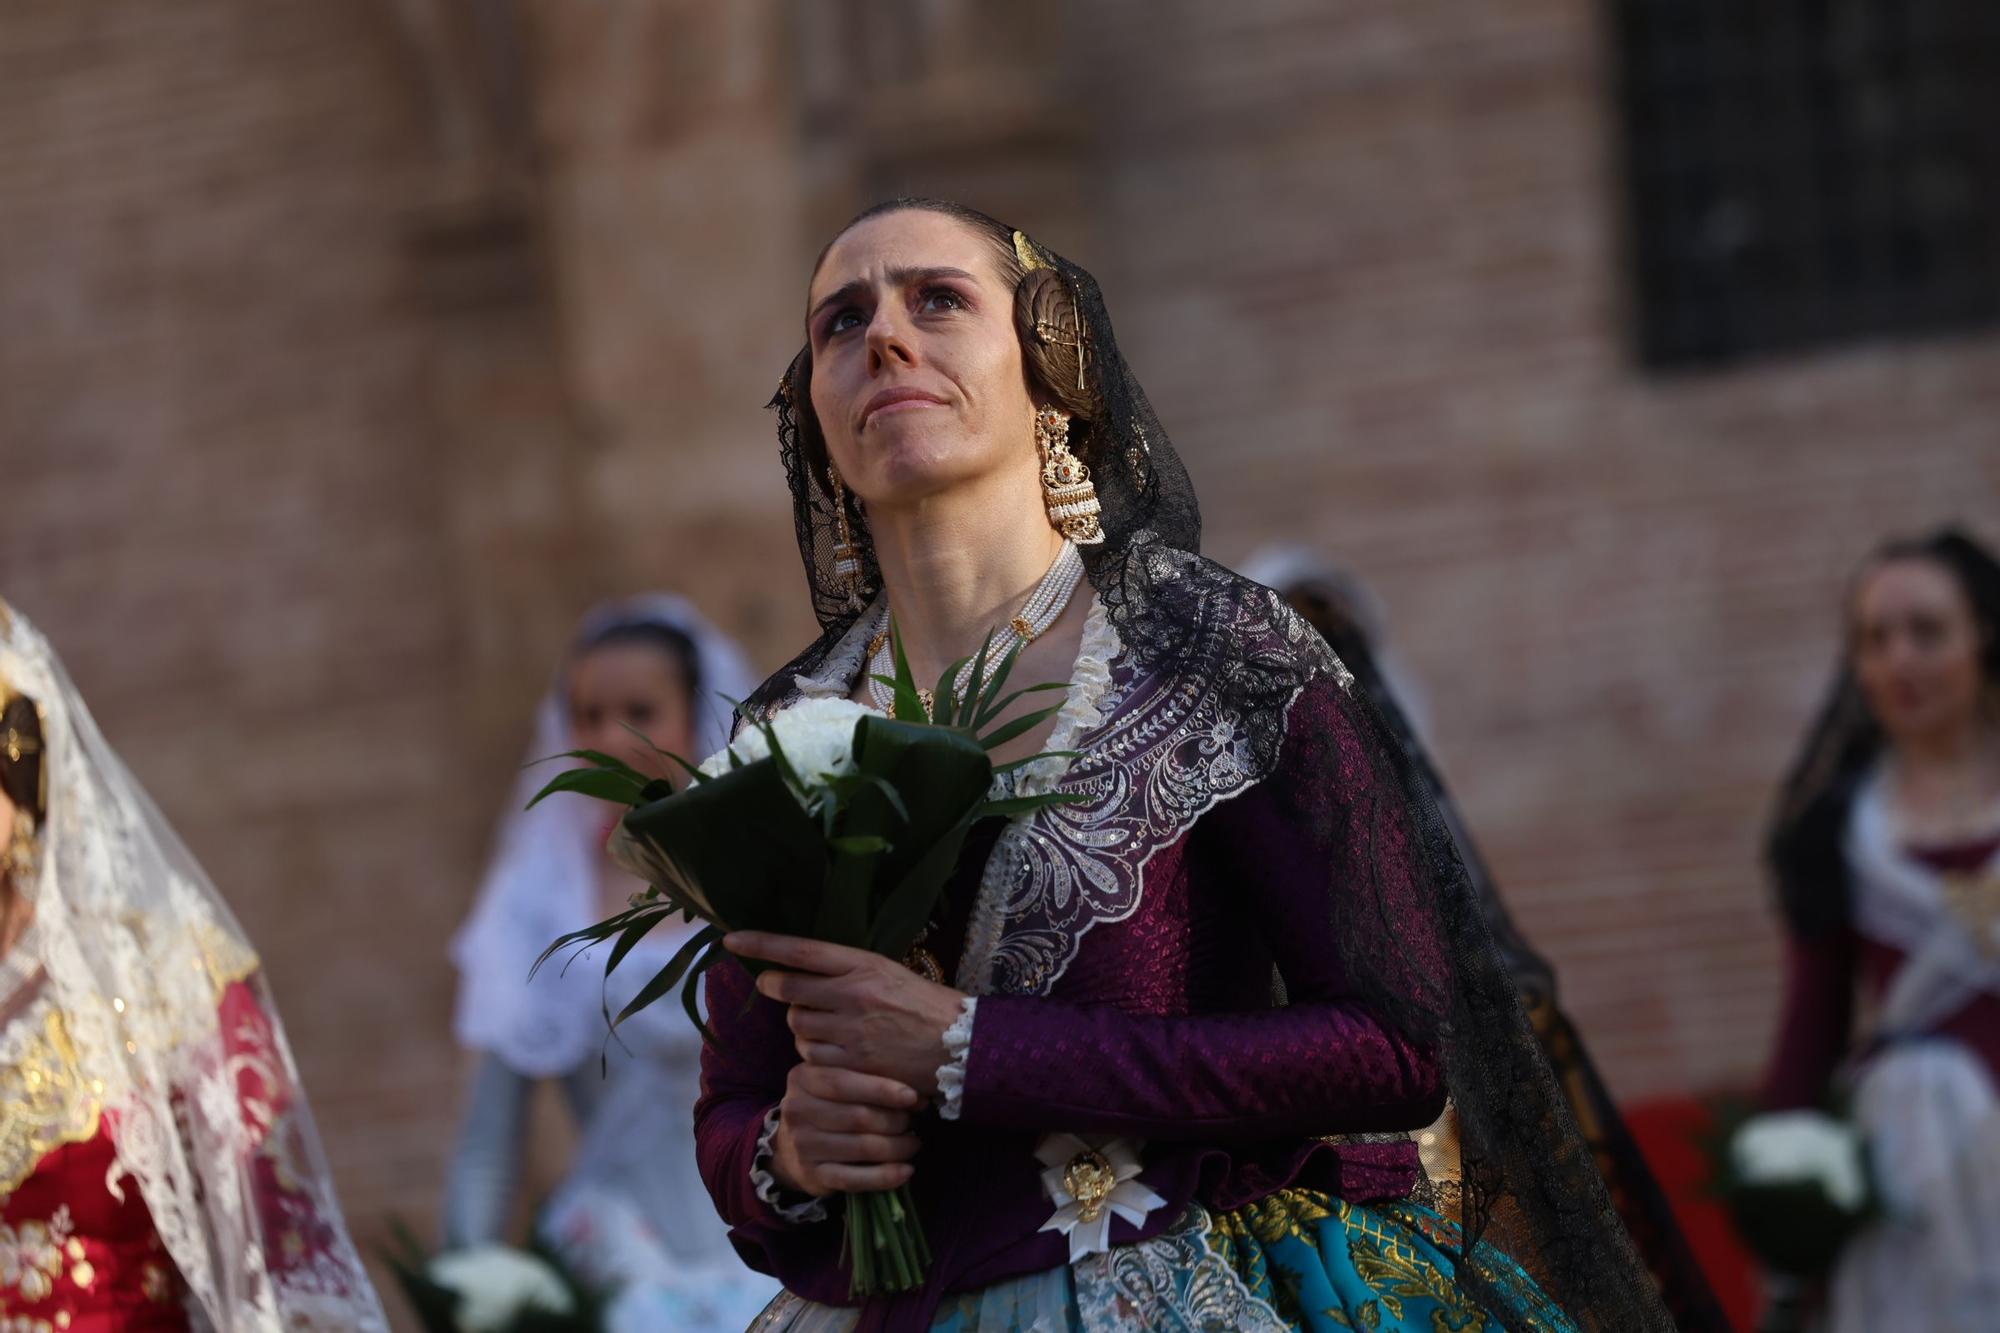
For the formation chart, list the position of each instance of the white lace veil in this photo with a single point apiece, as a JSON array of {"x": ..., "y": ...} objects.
[
  {"x": 541, "y": 882},
  {"x": 175, "y": 1036}
]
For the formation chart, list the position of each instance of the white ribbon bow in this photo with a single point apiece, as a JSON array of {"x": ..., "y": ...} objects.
[{"x": 1092, "y": 1180}]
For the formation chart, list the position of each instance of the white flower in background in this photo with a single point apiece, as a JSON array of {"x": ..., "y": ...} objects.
[
  {"x": 1802, "y": 1148},
  {"x": 495, "y": 1284},
  {"x": 1091, "y": 1181},
  {"x": 817, "y": 736}
]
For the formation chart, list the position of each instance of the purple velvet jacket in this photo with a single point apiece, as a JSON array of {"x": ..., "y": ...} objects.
[{"x": 1158, "y": 1026}]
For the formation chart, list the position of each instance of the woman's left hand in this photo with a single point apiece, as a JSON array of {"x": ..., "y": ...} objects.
[{"x": 852, "y": 1009}]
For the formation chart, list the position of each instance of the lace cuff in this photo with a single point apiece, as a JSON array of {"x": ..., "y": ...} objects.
[
  {"x": 957, "y": 1046},
  {"x": 789, "y": 1205}
]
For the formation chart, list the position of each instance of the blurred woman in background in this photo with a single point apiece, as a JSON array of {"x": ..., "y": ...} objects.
[
  {"x": 1886, "y": 850},
  {"x": 158, "y": 1168},
  {"x": 630, "y": 1215}
]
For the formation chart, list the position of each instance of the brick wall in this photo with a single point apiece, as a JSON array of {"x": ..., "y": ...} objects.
[{"x": 348, "y": 351}]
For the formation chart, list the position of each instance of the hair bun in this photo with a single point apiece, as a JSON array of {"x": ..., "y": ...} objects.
[{"x": 1054, "y": 341}]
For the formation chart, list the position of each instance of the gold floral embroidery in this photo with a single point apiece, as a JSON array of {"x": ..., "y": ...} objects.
[
  {"x": 31, "y": 1256},
  {"x": 225, "y": 957},
  {"x": 43, "y": 1101},
  {"x": 154, "y": 1282}
]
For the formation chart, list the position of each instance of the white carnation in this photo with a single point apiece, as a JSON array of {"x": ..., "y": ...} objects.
[
  {"x": 817, "y": 736},
  {"x": 1803, "y": 1148},
  {"x": 494, "y": 1284}
]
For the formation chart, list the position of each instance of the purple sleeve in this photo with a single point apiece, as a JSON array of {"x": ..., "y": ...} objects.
[
  {"x": 1818, "y": 1020},
  {"x": 742, "y": 1077},
  {"x": 1321, "y": 1064}
]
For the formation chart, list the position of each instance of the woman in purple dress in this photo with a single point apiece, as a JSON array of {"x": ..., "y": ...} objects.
[
  {"x": 1887, "y": 854},
  {"x": 1157, "y": 1063}
]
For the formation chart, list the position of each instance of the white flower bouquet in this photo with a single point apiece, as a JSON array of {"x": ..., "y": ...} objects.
[
  {"x": 492, "y": 1289},
  {"x": 1797, "y": 1186},
  {"x": 827, "y": 820}
]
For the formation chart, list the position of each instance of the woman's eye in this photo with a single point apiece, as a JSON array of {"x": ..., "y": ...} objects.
[
  {"x": 639, "y": 714},
  {"x": 842, "y": 321},
  {"x": 942, "y": 298}
]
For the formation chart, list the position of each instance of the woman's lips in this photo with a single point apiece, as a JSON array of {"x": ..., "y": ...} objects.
[{"x": 897, "y": 400}]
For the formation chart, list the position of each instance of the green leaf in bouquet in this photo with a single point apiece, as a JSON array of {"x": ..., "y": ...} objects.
[
  {"x": 633, "y": 933},
  {"x": 604, "y": 783},
  {"x": 694, "y": 773},
  {"x": 742, "y": 837},
  {"x": 903, "y": 684},
  {"x": 592, "y": 934},
  {"x": 991, "y": 689},
  {"x": 669, "y": 975},
  {"x": 1009, "y": 806},
  {"x": 691, "y": 992},
  {"x": 1019, "y": 726},
  {"x": 909, "y": 904},
  {"x": 993, "y": 710},
  {"x": 842, "y": 913},
  {"x": 944, "y": 697},
  {"x": 891, "y": 795},
  {"x": 942, "y": 775},
  {"x": 609, "y": 762},
  {"x": 958, "y": 711}
]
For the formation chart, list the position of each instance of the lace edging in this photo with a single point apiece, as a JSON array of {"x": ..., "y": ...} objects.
[
  {"x": 767, "y": 1186},
  {"x": 957, "y": 1046},
  {"x": 1083, "y": 705}
]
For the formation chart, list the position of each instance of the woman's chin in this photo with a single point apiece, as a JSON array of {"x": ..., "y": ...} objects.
[{"x": 911, "y": 477}]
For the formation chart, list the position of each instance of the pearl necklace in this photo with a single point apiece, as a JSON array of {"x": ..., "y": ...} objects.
[{"x": 1043, "y": 608}]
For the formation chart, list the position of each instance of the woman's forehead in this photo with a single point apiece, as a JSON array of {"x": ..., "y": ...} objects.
[
  {"x": 622, "y": 666},
  {"x": 1909, "y": 584},
  {"x": 910, "y": 238}
]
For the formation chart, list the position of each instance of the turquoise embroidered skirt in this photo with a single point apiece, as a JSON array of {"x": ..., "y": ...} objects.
[
  {"x": 1299, "y": 1260},
  {"x": 1324, "y": 1264}
]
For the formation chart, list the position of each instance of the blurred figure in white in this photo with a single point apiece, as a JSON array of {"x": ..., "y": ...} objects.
[
  {"x": 631, "y": 1215},
  {"x": 1320, "y": 589}
]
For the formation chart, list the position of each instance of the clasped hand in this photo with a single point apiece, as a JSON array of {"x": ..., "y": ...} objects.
[{"x": 871, "y": 1035}]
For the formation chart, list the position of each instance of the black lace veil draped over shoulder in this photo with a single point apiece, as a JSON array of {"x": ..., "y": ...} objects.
[{"x": 1531, "y": 1186}]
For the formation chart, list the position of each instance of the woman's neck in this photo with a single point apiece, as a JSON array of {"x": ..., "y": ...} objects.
[
  {"x": 957, "y": 566},
  {"x": 15, "y": 913},
  {"x": 1963, "y": 748},
  {"x": 1948, "y": 783}
]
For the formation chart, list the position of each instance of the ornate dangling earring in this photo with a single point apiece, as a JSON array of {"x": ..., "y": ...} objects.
[
  {"x": 846, "y": 554},
  {"x": 24, "y": 851},
  {"x": 1066, "y": 486}
]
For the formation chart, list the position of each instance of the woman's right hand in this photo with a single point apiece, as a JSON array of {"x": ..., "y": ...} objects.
[{"x": 839, "y": 1130}]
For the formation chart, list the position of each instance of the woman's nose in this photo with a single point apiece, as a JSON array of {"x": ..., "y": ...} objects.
[{"x": 889, "y": 342}]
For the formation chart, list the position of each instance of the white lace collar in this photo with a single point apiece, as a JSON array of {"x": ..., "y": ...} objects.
[{"x": 1082, "y": 707}]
